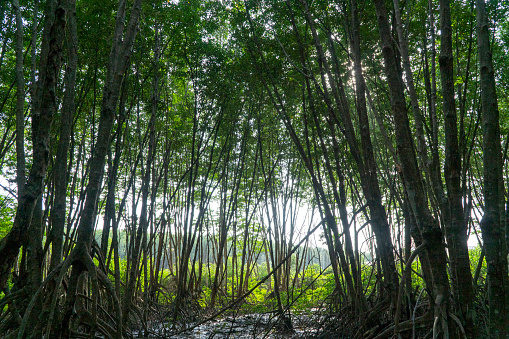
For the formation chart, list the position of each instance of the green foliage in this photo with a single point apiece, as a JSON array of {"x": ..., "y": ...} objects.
[{"x": 7, "y": 213}]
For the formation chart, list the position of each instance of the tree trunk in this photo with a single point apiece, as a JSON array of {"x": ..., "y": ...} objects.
[
  {"x": 429, "y": 228},
  {"x": 123, "y": 40},
  {"x": 493, "y": 230},
  {"x": 42, "y": 117},
  {"x": 140, "y": 241},
  {"x": 20, "y": 102},
  {"x": 455, "y": 227},
  {"x": 369, "y": 179},
  {"x": 119, "y": 61},
  {"x": 58, "y": 213}
]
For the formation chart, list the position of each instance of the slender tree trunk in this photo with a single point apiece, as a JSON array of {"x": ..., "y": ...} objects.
[
  {"x": 58, "y": 213},
  {"x": 432, "y": 89},
  {"x": 42, "y": 117},
  {"x": 119, "y": 61},
  {"x": 369, "y": 179},
  {"x": 418, "y": 118},
  {"x": 244, "y": 258},
  {"x": 455, "y": 228},
  {"x": 223, "y": 229},
  {"x": 20, "y": 102},
  {"x": 123, "y": 40},
  {"x": 141, "y": 236},
  {"x": 492, "y": 227},
  {"x": 273, "y": 219},
  {"x": 430, "y": 229}
]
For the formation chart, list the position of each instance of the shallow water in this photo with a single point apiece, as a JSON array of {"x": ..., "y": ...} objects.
[{"x": 242, "y": 326}]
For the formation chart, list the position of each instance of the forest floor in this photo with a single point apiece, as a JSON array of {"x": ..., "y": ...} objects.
[{"x": 260, "y": 325}]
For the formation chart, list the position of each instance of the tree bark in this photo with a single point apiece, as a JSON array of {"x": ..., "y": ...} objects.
[
  {"x": 58, "y": 213},
  {"x": 429, "y": 228},
  {"x": 42, "y": 117},
  {"x": 369, "y": 178},
  {"x": 455, "y": 227},
  {"x": 119, "y": 61},
  {"x": 20, "y": 102},
  {"x": 121, "y": 50},
  {"x": 493, "y": 230}
]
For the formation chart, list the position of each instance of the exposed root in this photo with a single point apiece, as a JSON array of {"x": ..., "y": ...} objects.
[
  {"x": 420, "y": 322},
  {"x": 84, "y": 317}
]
